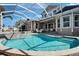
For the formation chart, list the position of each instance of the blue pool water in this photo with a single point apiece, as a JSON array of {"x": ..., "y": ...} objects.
[{"x": 41, "y": 42}]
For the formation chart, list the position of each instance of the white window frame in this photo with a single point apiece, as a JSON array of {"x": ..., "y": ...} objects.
[
  {"x": 74, "y": 21},
  {"x": 69, "y": 20}
]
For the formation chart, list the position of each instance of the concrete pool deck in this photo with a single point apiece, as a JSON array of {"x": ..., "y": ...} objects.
[{"x": 68, "y": 52}]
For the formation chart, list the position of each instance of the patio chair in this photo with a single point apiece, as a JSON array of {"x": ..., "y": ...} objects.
[
  {"x": 41, "y": 30},
  {"x": 37, "y": 30},
  {"x": 51, "y": 29}
]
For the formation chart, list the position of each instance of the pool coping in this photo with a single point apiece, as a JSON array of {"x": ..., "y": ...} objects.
[{"x": 43, "y": 53}]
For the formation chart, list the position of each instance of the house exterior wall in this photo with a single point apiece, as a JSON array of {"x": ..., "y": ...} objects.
[
  {"x": 71, "y": 29},
  {"x": 75, "y": 31},
  {"x": 65, "y": 31},
  {"x": 68, "y": 30}
]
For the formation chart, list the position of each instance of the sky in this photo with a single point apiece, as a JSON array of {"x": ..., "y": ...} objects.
[{"x": 22, "y": 13}]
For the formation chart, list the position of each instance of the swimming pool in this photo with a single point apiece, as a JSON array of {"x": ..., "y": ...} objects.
[{"x": 41, "y": 42}]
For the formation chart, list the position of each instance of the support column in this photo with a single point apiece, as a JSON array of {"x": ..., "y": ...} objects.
[
  {"x": 56, "y": 24},
  {"x": 31, "y": 25},
  {"x": 53, "y": 26},
  {"x": 43, "y": 26},
  {"x": 1, "y": 22},
  {"x": 34, "y": 25},
  {"x": 47, "y": 26},
  {"x": 61, "y": 23},
  {"x": 38, "y": 25},
  {"x": 61, "y": 18},
  {"x": 72, "y": 21}
]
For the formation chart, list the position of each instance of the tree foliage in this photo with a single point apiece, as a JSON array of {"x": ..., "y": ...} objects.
[{"x": 21, "y": 22}]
